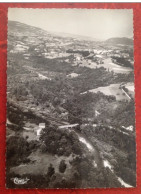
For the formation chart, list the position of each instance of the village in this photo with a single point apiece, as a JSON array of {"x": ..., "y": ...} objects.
[
  {"x": 71, "y": 50},
  {"x": 66, "y": 52}
]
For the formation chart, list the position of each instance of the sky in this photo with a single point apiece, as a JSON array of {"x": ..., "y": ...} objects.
[{"x": 96, "y": 23}]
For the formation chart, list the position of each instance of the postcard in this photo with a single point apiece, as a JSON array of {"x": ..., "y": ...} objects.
[{"x": 70, "y": 99}]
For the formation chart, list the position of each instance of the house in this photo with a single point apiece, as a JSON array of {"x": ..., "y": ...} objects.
[
  {"x": 39, "y": 129},
  {"x": 42, "y": 125},
  {"x": 97, "y": 113},
  {"x": 130, "y": 128},
  {"x": 78, "y": 58}
]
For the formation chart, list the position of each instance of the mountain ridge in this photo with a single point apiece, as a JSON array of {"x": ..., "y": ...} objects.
[
  {"x": 120, "y": 40},
  {"x": 25, "y": 27}
]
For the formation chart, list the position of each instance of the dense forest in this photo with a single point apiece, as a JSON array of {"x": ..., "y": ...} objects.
[{"x": 122, "y": 61}]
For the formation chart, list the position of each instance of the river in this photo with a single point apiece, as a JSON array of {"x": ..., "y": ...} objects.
[
  {"x": 107, "y": 164},
  {"x": 97, "y": 161},
  {"x": 88, "y": 145}
]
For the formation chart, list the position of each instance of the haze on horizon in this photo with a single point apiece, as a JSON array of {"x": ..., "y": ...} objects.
[{"x": 98, "y": 24}]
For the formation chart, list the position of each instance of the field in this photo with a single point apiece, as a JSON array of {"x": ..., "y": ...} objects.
[
  {"x": 131, "y": 88},
  {"x": 113, "y": 89},
  {"x": 109, "y": 65},
  {"x": 39, "y": 163}
]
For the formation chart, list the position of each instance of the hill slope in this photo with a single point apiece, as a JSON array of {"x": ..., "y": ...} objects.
[{"x": 124, "y": 40}]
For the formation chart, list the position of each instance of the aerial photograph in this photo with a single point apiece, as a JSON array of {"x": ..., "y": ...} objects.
[{"x": 70, "y": 99}]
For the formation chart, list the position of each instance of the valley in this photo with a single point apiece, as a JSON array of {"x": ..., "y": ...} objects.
[{"x": 81, "y": 92}]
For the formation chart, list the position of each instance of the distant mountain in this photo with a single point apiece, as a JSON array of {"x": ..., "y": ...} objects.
[
  {"x": 25, "y": 29},
  {"x": 15, "y": 27},
  {"x": 76, "y": 36},
  {"x": 123, "y": 40}
]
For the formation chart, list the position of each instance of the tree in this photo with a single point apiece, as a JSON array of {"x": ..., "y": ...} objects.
[
  {"x": 51, "y": 171},
  {"x": 62, "y": 166}
]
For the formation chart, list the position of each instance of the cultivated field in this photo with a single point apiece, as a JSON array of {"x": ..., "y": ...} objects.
[{"x": 113, "y": 89}]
